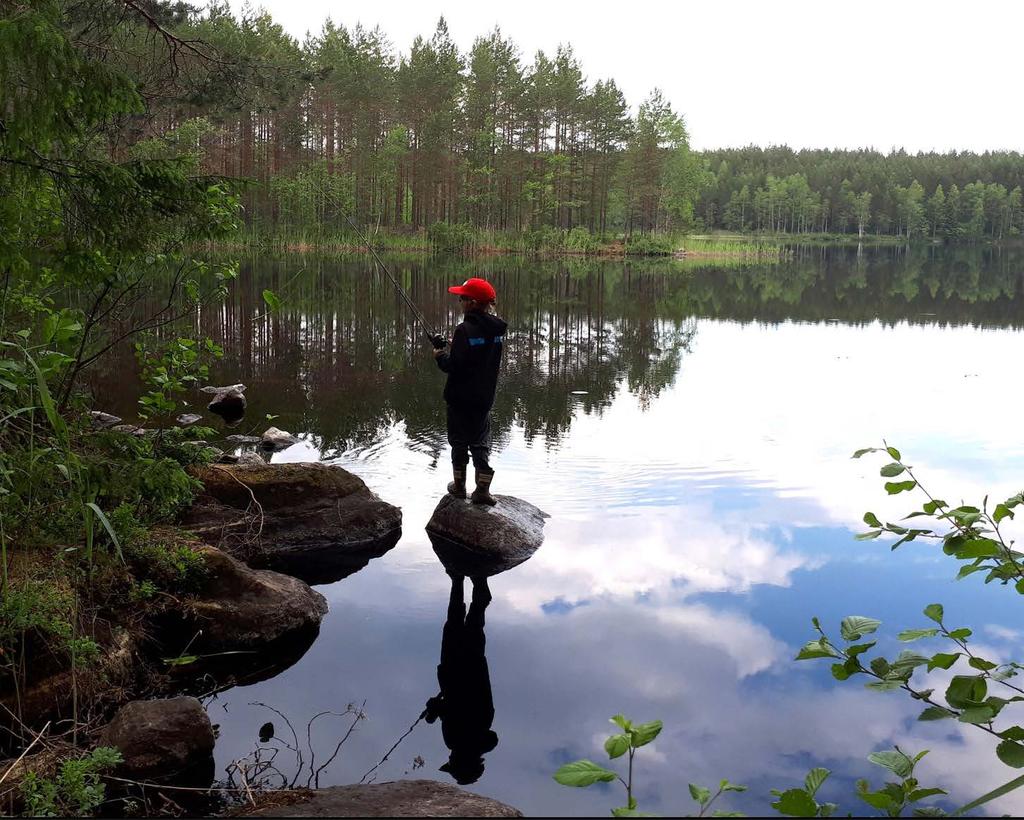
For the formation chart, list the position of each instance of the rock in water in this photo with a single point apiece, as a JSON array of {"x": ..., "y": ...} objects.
[
  {"x": 167, "y": 741},
  {"x": 186, "y": 419},
  {"x": 402, "y": 798},
  {"x": 241, "y": 608},
  {"x": 274, "y": 439},
  {"x": 228, "y": 402},
  {"x": 314, "y": 521},
  {"x": 473, "y": 539}
]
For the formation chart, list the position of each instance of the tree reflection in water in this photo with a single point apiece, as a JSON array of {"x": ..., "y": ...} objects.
[{"x": 341, "y": 361}]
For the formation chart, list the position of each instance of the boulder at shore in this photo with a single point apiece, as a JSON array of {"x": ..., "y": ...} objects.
[
  {"x": 243, "y": 608},
  {"x": 474, "y": 539},
  {"x": 314, "y": 521},
  {"x": 401, "y": 798},
  {"x": 167, "y": 741}
]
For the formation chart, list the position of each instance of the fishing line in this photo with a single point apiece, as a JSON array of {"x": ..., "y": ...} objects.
[{"x": 434, "y": 338}]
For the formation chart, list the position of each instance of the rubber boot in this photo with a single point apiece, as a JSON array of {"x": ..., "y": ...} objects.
[
  {"x": 482, "y": 493},
  {"x": 457, "y": 488}
]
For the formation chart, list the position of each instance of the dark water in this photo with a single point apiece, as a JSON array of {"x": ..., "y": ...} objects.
[{"x": 689, "y": 431}]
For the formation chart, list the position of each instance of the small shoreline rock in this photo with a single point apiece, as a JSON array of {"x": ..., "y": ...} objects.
[
  {"x": 399, "y": 798},
  {"x": 166, "y": 741}
]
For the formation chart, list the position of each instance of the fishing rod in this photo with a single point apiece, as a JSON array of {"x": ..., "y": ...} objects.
[{"x": 436, "y": 339}]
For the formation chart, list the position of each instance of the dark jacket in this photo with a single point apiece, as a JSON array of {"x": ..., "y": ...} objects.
[{"x": 473, "y": 361}]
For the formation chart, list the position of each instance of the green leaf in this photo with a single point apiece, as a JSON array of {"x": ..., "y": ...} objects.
[
  {"x": 921, "y": 794},
  {"x": 616, "y": 746},
  {"x": 867, "y": 536},
  {"x": 884, "y": 685},
  {"x": 854, "y": 627},
  {"x": 896, "y": 487},
  {"x": 621, "y": 722},
  {"x": 892, "y": 451},
  {"x": 977, "y": 714},
  {"x": 700, "y": 794},
  {"x": 817, "y": 649},
  {"x": 970, "y": 569},
  {"x": 273, "y": 302},
  {"x": 796, "y": 803},
  {"x": 1003, "y": 790},
  {"x": 936, "y": 713},
  {"x": 942, "y": 660},
  {"x": 108, "y": 527},
  {"x": 865, "y": 451},
  {"x": 583, "y": 773},
  {"x": 872, "y": 520},
  {"x": 857, "y": 649},
  {"x": 878, "y": 800},
  {"x": 907, "y": 661},
  {"x": 895, "y": 761},
  {"x": 646, "y": 732},
  {"x": 1011, "y": 753},
  {"x": 982, "y": 664},
  {"x": 1013, "y": 733},
  {"x": 726, "y": 786},
  {"x": 181, "y": 660},
  {"x": 931, "y": 506},
  {"x": 978, "y": 548},
  {"x": 934, "y": 612},
  {"x": 908, "y": 635},
  {"x": 1001, "y": 511},
  {"x": 966, "y": 690},
  {"x": 815, "y": 777},
  {"x": 892, "y": 470}
]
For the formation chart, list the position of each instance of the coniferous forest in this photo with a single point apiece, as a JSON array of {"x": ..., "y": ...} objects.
[{"x": 405, "y": 136}]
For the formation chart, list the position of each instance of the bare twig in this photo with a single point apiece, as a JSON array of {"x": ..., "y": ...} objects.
[{"x": 25, "y": 752}]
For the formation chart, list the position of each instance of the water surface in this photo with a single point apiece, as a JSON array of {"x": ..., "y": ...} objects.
[{"x": 689, "y": 431}]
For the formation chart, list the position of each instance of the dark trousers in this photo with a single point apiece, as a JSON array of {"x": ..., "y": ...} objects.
[{"x": 469, "y": 431}]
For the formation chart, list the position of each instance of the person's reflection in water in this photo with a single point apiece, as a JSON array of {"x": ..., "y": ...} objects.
[{"x": 464, "y": 703}]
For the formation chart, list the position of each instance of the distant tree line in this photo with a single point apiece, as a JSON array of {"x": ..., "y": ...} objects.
[
  {"x": 344, "y": 123},
  {"x": 953, "y": 196}
]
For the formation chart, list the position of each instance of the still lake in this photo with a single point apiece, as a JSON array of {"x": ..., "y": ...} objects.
[{"x": 689, "y": 430}]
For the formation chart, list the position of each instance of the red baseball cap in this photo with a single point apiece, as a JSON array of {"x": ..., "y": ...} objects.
[{"x": 479, "y": 290}]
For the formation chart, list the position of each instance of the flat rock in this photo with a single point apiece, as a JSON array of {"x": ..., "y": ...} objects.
[
  {"x": 167, "y": 741},
  {"x": 314, "y": 521},
  {"x": 101, "y": 420},
  {"x": 186, "y": 419},
  {"x": 401, "y": 798},
  {"x": 237, "y": 438},
  {"x": 474, "y": 539},
  {"x": 130, "y": 429}
]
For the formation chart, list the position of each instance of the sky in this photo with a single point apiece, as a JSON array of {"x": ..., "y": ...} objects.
[{"x": 935, "y": 75}]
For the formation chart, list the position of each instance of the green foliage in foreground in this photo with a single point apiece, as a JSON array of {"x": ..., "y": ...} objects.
[
  {"x": 969, "y": 534},
  {"x": 76, "y": 791}
]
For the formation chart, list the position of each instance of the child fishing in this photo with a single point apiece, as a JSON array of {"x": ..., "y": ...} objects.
[{"x": 472, "y": 361}]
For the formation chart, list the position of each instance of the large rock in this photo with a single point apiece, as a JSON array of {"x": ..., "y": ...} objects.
[
  {"x": 402, "y": 798},
  {"x": 314, "y": 521},
  {"x": 274, "y": 439},
  {"x": 166, "y": 741},
  {"x": 474, "y": 539},
  {"x": 244, "y": 608},
  {"x": 227, "y": 402}
]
